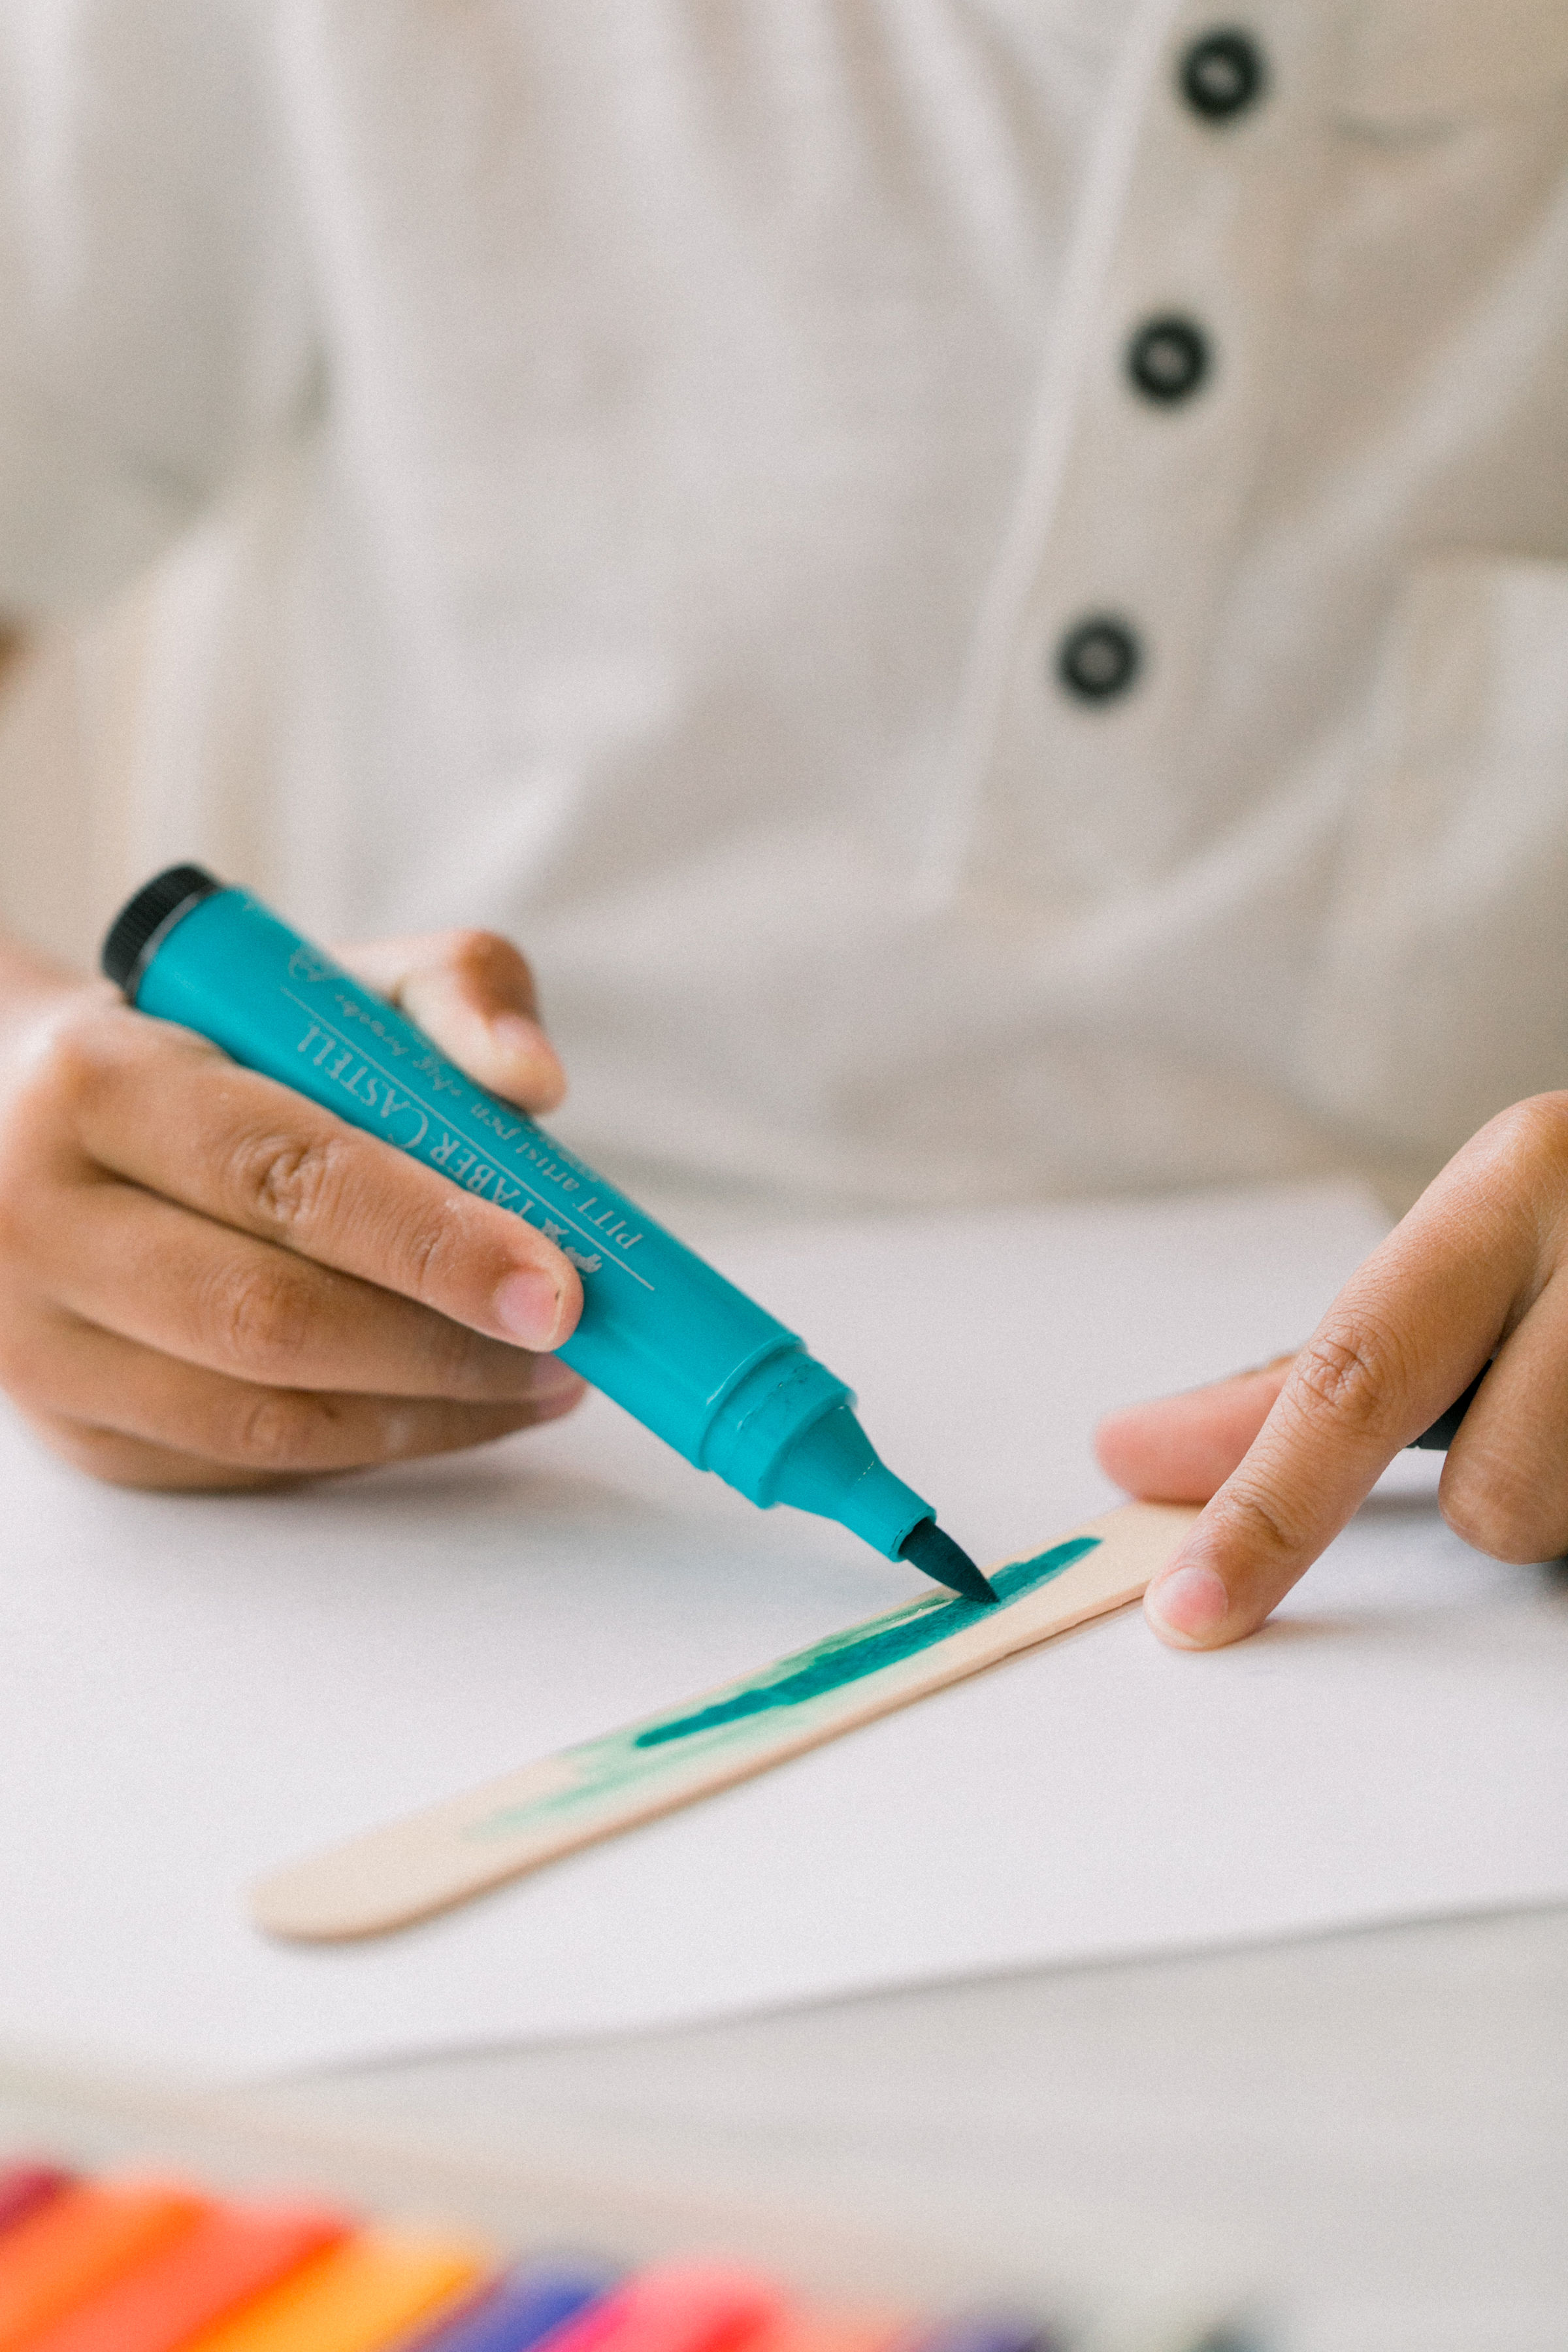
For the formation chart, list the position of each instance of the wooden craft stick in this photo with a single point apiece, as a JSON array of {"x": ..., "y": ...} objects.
[{"x": 433, "y": 1859}]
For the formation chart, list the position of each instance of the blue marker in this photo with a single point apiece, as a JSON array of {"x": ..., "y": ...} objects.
[
  {"x": 688, "y": 1355},
  {"x": 521, "y": 2311}
]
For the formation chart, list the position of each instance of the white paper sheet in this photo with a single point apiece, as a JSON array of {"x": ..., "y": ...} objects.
[{"x": 192, "y": 1690}]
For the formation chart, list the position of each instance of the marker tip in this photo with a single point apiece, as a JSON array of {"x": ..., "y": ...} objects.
[{"x": 936, "y": 1555}]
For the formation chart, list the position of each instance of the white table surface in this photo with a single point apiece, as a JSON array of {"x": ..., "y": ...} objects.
[{"x": 1370, "y": 2128}]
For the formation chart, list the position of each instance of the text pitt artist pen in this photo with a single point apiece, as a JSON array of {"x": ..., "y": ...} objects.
[{"x": 662, "y": 1332}]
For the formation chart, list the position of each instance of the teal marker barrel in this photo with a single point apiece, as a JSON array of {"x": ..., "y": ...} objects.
[{"x": 685, "y": 1352}]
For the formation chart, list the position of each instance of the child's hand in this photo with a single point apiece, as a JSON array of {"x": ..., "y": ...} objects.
[
  {"x": 208, "y": 1281},
  {"x": 1477, "y": 1269}
]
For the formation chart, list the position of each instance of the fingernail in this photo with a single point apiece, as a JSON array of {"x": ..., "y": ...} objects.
[
  {"x": 527, "y": 1307},
  {"x": 521, "y": 1038},
  {"x": 1188, "y": 1604}
]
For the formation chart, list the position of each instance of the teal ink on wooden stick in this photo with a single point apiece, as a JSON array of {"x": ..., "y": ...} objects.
[
  {"x": 805, "y": 1683},
  {"x": 845, "y": 1658},
  {"x": 468, "y": 1845},
  {"x": 662, "y": 1332}
]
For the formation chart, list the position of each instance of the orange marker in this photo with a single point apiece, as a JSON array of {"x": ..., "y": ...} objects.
[
  {"x": 360, "y": 2297},
  {"x": 230, "y": 2256},
  {"x": 687, "y": 2307},
  {"x": 73, "y": 2246}
]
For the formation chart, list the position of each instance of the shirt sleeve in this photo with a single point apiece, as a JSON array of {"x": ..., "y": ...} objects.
[{"x": 155, "y": 331}]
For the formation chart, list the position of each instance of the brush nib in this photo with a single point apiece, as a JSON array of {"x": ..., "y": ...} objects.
[{"x": 934, "y": 1554}]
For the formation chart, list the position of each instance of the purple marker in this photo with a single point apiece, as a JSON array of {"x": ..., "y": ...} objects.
[
  {"x": 522, "y": 2310},
  {"x": 986, "y": 2331}
]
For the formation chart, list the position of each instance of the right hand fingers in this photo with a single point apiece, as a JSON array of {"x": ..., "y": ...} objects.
[
  {"x": 473, "y": 992},
  {"x": 1182, "y": 1449},
  {"x": 160, "y": 1106},
  {"x": 207, "y": 1281}
]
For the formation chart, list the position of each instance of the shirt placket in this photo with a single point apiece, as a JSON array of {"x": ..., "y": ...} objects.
[{"x": 1094, "y": 756}]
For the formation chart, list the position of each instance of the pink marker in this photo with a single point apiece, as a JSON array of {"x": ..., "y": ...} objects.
[{"x": 684, "y": 2307}]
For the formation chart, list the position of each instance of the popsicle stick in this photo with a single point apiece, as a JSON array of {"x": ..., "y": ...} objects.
[{"x": 452, "y": 1851}]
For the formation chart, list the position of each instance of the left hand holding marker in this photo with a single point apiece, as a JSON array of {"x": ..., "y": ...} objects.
[{"x": 1478, "y": 1270}]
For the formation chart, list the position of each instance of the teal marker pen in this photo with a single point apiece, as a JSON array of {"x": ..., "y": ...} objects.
[{"x": 688, "y": 1355}]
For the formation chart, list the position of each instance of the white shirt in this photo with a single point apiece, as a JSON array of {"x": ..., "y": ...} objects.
[{"x": 625, "y": 471}]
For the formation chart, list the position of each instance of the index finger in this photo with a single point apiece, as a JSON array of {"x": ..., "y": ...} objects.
[
  {"x": 167, "y": 1109},
  {"x": 1404, "y": 1337}
]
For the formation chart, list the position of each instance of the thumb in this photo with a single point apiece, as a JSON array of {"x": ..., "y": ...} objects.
[
  {"x": 1182, "y": 1449},
  {"x": 473, "y": 994}
]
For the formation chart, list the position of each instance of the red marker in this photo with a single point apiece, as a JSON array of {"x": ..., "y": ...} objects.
[{"x": 23, "y": 2187}]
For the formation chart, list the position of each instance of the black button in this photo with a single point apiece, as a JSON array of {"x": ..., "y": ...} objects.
[
  {"x": 1168, "y": 359},
  {"x": 1223, "y": 74},
  {"x": 1099, "y": 659}
]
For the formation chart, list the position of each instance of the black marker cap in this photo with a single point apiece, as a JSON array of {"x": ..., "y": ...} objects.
[
  {"x": 1446, "y": 1428},
  {"x": 142, "y": 922}
]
